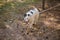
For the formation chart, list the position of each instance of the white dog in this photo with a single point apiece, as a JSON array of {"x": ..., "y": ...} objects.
[{"x": 31, "y": 17}]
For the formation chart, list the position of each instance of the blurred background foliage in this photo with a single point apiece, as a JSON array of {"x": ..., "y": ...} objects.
[{"x": 9, "y": 5}]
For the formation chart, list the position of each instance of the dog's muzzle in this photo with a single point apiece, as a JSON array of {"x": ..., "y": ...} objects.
[{"x": 26, "y": 20}]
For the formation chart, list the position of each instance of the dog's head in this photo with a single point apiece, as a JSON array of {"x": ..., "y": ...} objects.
[{"x": 29, "y": 14}]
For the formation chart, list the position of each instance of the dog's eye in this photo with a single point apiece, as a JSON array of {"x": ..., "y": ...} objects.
[
  {"x": 25, "y": 15},
  {"x": 28, "y": 14},
  {"x": 31, "y": 12}
]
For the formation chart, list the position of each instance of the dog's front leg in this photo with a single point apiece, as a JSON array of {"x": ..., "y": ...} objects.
[{"x": 31, "y": 23}]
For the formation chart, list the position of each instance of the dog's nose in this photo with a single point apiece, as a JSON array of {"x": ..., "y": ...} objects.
[{"x": 25, "y": 21}]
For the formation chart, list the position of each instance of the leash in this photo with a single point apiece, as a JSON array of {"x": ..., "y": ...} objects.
[{"x": 49, "y": 8}]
